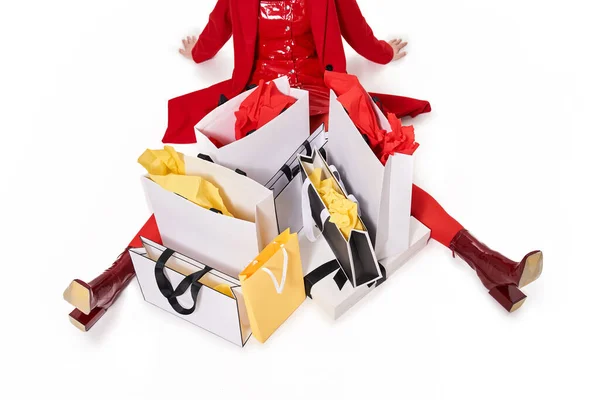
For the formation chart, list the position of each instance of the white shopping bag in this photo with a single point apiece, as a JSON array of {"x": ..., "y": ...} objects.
[
  {"x": 322, "y": 278},
  {"x": 355, "y": 256},
  {"x": 261, "y": 154},
  {"x": 192, "y": 290},
  {"x": 384, "y": 193},
  {"x": 225, "y": 243},
  {"x": 286, "y": 184}
]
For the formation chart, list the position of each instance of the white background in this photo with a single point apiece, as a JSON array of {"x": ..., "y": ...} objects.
[{"x": 509, "y": 149}]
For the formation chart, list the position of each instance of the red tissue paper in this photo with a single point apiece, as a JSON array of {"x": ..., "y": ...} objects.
[
  {"x": 357, "y": 102},
  {"x": 260, "y": 107}
]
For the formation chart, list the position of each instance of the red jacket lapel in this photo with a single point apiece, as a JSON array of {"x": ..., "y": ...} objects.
[
  {"x": 326, "y": 32},
  {"x": 318, "y": 15}
]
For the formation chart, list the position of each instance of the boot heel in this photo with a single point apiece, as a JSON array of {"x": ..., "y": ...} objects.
[
  {"x": 83, "y": 321},
  {"x": 509, "y": 297}
]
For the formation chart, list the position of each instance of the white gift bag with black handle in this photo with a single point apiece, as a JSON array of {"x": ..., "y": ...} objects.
[
  {"x": 186, "y": 288},
  {"x": 355, "y": 255},
  {"x": 384, "y": 192},
  {"x": 261, "y": 154},
  {"x": 286, "y": 184},
  {"x": 223, "y": 242}
]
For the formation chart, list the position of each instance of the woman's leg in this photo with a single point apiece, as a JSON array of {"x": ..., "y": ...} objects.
[
  {"x": 427, "y": 210},
  {"x": 91, "y": 300},
  {"x": 500, "y": 275}
]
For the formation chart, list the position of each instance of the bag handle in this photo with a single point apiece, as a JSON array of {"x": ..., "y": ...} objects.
[
  {"x": 311, "y": 231},
  {"x": 278, "y": 286},
  {"x": 166, "y": 289}
]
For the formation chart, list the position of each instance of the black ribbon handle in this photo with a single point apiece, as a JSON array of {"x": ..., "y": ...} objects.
[
  {"x": 340, "y": 279},
  {"x": 166, "y": 289}
]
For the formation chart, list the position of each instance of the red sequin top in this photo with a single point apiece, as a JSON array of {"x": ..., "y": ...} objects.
[{"x": 286, "y": 48}]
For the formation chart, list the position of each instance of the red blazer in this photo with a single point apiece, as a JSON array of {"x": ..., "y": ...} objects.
[{"x": 331, "y": 20}]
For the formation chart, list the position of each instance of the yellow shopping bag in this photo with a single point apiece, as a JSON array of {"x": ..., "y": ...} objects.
[{"x": 273, "y": 285}]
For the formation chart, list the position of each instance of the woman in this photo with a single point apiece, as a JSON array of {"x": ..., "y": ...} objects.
[{"x": 301, "y": 39}]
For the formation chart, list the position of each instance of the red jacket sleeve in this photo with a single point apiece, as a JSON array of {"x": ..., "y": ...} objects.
[
  {"x": 359, "y": 34},
  {"x": 216, "y": 33}
]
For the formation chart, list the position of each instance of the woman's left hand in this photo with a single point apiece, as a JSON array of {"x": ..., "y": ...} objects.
[{"x": 398, "y": 45}]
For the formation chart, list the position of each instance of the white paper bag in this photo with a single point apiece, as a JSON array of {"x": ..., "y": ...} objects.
[
  {"x": 172, "y": 281},
  {"x": 261, "y": 154},
  {"x": 384, "y": 193},
  {"x": 322, "y": 279},
  {"x": 286, "y": 184},
  {"x": 355, "y": 255},
  {"x": 225, "y": 243}
]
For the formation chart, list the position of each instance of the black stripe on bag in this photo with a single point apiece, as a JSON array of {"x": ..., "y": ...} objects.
[
  {"x": 307, "y": 147},
  {"x": 216, "y": 211},
  {"x": 250, "y": 132},
  {"x": 340, "y": 279},
  {"x": 251, "y": 86},
  {"x": 318, "y": 274},
  {"x": 287, "y": 172},
  {"x": 380, "y": 280},
  {"x": 323, "y": 153},
  {"x": 205, "y": 157},
  {"x": 295, "y": 171},
  {"x": 166, "y": 289},
  {"x": 239, "y": 171},
  {"x": 222, "y": 99},
  {"x": 366, "y": 268}
]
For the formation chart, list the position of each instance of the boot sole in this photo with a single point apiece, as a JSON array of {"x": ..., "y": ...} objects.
[
  {"x": 517, "y": 306},
  {"x": 534, "y": 265},
  {"x": 78, "y": 296}
]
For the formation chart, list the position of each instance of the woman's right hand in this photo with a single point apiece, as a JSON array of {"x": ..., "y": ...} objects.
[
  {"x": 398, "y": 45},
  {"x": 188, "y": 44}
]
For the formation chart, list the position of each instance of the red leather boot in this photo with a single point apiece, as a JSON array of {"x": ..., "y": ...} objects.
[
  {"x": 502, "y": 276},
  {"x": 94, "y": 298}
]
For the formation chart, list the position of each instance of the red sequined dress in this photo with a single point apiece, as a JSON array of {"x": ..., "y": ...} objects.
[{"x": 286, "y": 48}]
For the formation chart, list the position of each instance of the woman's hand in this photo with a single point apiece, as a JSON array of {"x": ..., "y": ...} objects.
[
  {"x": 398, "y": 45},
  {"x": 188, "y": 44}
]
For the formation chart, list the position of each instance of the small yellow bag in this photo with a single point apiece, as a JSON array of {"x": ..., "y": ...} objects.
[{"x": 273, "y": 285}]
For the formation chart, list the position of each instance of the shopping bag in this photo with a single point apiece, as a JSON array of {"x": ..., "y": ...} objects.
[
  {"x": 192, "y": 290},
  {"x": 383, "y": 192},
  {"x": 261, "y": 154},
  {"x": 224, "y": 242},
  {"x": 286, "y": 184},
  {"x": 273, "y": 285},
  {"x": 355, "y": 253},
  {"x": 322, "y": 274}
]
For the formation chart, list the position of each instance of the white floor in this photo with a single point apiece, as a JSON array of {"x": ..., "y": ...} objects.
[{"x": 509, "y": 149}]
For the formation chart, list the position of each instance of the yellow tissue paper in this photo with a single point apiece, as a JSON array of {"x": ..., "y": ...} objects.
[
  {"x": 167, "y": 168},
  {"x": 163, "y": 162},
  {"x": 344, "y": 212}
]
